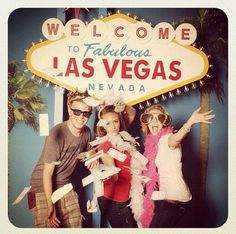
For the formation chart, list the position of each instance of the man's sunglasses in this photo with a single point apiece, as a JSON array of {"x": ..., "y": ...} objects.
[
  {"x": 78, "y": 112},
  {"x": 148, "y": 118}
]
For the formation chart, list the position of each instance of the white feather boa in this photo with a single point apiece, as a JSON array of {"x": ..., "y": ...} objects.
[
  {"x": 124, "y": 141},
  {"x": 136, "y": 190},
  {"x": 138, "y": 162}
]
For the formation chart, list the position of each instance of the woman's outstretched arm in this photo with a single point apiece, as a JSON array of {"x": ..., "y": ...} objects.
[{"x": 196, "y": 117}]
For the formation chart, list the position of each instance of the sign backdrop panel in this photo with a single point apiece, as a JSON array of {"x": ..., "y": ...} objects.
[{"x": 118, "y": 53}]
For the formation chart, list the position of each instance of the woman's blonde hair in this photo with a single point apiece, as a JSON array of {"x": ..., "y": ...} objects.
[
  {"x": 99, "y": 130},
  {"x": 167, "y": 120}
]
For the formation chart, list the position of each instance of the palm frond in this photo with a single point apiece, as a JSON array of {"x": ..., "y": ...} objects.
[
  {"x": 212, "y": 34},
  {"x": 27, "y": 89},
  {"x": 24, "y": 99},
  {"x": 36, "y": 103},
  {"x": 11, "y": 116},
  {"x": 23, "y": 114}
]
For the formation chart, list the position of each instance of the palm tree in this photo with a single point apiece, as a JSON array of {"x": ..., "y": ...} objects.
[
  {"x": 24, "y": 99},
  {"x": 212, "y": 28},
  {"x": 212, "y": 36}
]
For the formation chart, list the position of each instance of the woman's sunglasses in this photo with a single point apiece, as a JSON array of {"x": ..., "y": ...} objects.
[
  {"x": 78, "y": 112},
  {"x": 148, "y": 118}
]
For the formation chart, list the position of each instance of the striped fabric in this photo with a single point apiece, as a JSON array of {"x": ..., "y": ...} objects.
[{"x": 67, "y": 211}]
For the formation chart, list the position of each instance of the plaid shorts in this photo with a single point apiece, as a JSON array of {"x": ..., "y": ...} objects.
[{"x": 67, "y": 211}]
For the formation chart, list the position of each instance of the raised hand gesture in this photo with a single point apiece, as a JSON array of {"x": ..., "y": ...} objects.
[{"x": 198, "y": 117}]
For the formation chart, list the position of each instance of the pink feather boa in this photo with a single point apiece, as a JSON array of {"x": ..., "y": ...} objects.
[{"x": 151, "y": 151}]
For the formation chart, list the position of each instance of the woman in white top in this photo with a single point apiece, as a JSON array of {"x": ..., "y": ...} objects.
[{"x": 163, "y": 150}]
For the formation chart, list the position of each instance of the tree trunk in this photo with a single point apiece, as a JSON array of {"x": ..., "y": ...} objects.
[{"x": 203, "y": 153}]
